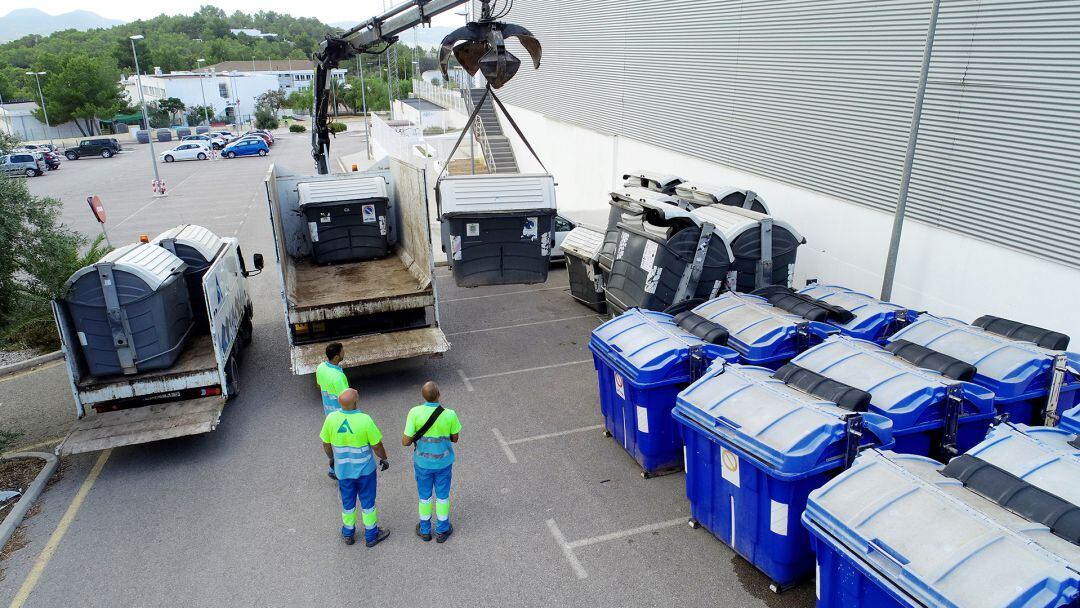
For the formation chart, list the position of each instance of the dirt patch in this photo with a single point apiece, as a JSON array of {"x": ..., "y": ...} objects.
[{"x": 17, "y": 475}]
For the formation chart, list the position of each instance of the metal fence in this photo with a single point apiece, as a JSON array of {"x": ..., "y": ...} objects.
[{"x": 447, "y": 98}]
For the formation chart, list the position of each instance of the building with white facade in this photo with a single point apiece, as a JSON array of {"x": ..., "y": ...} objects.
[
  {"x": 811, "y": 105},
  {"x": 17, "y": 118},
  {"x": 291, "y": 74},
  {"x": 226, "y": 93}
]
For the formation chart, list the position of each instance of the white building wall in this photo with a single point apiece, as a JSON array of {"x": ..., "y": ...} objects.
[{"x": 940, "y": 271}]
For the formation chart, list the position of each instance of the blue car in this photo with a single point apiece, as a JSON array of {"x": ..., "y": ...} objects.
[{"x": 246, "y": 147}]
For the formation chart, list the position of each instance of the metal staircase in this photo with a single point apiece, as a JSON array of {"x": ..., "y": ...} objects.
[{"x": 498, "y": 154}]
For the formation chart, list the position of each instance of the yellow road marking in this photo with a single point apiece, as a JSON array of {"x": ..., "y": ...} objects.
[
  {"x": 58, "y": 535},
  {"x": 38, "y": 368},
  {"x": 34, "y": 446}
]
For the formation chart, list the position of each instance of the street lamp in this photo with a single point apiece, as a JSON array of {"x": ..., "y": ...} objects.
[
  {"x": 234, "y": 97},
  {"x": 202, "y": 87},
  {"x": 37, "y": 76},
  {"x": 363, "y": 102},
  {"x": 142, "y": 101}
]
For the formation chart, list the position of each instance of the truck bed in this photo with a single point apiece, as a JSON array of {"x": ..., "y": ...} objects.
[
  {"x": 319, "y": 293},
  {"x": 195, "y": 368},
  {"x": 143, "y": 424}
]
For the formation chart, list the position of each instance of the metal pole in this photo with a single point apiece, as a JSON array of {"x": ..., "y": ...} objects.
[
  {"x": 6, "y": 123},
  {"x": 146, "y": 116},
  {"x": 202, "y": 87},
  {"x": 363, "y": 101},
  {"x": 909, "y": 159},
  {"x": 48, "y": 127}
]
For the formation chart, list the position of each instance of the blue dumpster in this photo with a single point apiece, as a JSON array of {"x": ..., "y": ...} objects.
[
  {"x": 901, "y": 530},
  {"x": 932, "y": 414},
  {"x": 762, "y": 334},
  {"x": 643, "y": 359},
  {"x": 871, "y": 319},
  {"x": 756, "y": 447},
  {"x": 1018, "y": 370},
  {"x": 1070, "y": 420},
  {"x": 1045, "y": 457}
]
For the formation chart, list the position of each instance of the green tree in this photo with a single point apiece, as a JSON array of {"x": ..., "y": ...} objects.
[
  {"x": 274, "y": 100},
  {"x": 300, "y": 101},
  {"x": 173, "y": 106},
  {"x": 81, "y": 89},
  {"x": 196, "y": 115},
  {"x": 8, "y": 142},
  {"x": 265, "y": 118}
]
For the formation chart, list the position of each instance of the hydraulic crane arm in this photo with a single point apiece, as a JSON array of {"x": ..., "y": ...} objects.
[
  {"x": 478, "y": 46},
  {"x": 364, "y": 38}
]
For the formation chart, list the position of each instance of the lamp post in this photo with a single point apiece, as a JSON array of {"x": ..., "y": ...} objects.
[
  {"x": 363, "y": 102},
  {"x": 37, "y": 77},
  {"x": 472, "y": 139},
  {"x": 202, "y": 87},
  {"x": 142, "y": 102}
]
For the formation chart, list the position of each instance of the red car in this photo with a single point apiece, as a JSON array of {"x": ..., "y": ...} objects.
[{"x": 263, "y": 136}]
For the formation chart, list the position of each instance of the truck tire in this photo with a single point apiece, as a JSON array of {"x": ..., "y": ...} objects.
[
  {"x": 246, "y": 331},
  {"x": 71, "y": 155},
  {"x": 232, "y": 377},
  {"x": 106, "y": 154}
]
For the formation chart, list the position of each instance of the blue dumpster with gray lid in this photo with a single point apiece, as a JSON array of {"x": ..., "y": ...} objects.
[
  {"x": 871, "y": 319},
  {"x": 756, "y": 445},
  {"x": 1045, "y": 457},
  {"x": 901, "y": 530},
  {"x": 932, "y": 414},
  {"x": 1017, "y": 362},
  {"x": 643, "y": 359},
  {"x": 762, "y": 334}
]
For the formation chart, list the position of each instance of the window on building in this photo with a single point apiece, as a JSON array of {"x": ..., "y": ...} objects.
[{"x": 223, "y": 90}]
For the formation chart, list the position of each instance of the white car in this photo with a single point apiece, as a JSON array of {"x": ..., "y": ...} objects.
[
  {"x": 187, "y": 151},
  {"x": 214, "y": 141}
]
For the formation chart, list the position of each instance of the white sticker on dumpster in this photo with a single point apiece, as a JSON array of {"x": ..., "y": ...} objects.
[
  {"x": 619, "y": 389},
  {"x": 653, "y": 280},
  {"x": 732, "y": 279},
  {"x": 369, "y": 213},
  {"x": 313, "y": 228},
  {"x": 455, "y": 247},
  {"x": 642, "y": 420},
  {"x": 382, "y": 225},
  {"x": 729, "y": 468},
  {"x": 648, "y": 257},
  {"x": 472, "y": 229},
  {"x": 778, "y": 515},
  {"x": 623, "y": 240},
  {"x": 531, "y": 229}
]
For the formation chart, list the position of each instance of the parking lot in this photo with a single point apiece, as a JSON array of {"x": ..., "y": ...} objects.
[{"x": 546, "y": 510}]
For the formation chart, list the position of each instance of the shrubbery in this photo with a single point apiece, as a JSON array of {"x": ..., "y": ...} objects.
[
  {"x": 265, "y": 118},
  {"x": 297, "y": 128},
  {"x": 337, "y": 127}
]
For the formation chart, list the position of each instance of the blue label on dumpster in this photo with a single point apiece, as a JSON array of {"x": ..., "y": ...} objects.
[
  {"x": 873, "y": 320},
  {"x": 918, "y": 401},
  {"x": 761, "y": 333},
  {"x": 755, "y": 448},
  {"x": 1019, "y": 373},
  {"x": 893, "y": 531},
  {"x": 643, "y": 359}
]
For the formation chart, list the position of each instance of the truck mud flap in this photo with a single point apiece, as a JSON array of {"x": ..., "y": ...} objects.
[{"x": 143, "y": 425}]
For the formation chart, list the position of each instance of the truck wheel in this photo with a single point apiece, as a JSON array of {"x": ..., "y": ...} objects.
[
  {"x": 106, "y": 154},
  {"x": 71, "y": 155},
  {"x": 246, "y": 331},
  {"x": 232, "y": 378}
]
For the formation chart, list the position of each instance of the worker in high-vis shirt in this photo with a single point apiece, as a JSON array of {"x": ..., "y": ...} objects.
[
  {"x": 432, "y": 430},
  {"x": 332, "y": 382},
  {"x": 352, "y": 442}
]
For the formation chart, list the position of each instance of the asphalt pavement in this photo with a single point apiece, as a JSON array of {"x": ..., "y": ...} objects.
[{"x": 546, "y": 511}]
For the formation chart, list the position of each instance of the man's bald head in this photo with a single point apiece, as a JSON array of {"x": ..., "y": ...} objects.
[
  {"x": 348, "y": 398},
  {"x": 430, "y": 391}
]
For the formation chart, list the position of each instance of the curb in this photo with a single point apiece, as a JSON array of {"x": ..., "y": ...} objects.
[
  {"x": 32, "y": 493},
  {"x": 32, "y": 362}
]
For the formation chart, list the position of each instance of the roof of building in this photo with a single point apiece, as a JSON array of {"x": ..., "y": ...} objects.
[{"x": 276, "y": 65}]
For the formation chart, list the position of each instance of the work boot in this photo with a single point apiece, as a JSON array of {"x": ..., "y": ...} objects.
[
  {"x": 378, "y": 539},
  {"x": 442, "y": 536},
  {"x": 349, "y": 539},
  {"x": 424, "y": 536}
]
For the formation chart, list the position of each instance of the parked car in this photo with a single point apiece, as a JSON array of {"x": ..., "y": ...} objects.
[
  {"x": 187, "y": 150},
  {"x": 21, "y": 163},
  {"x": 105, "y": 147},
  {"x": 595, "y": 219},
  {"x": 263, "y": 136},
  {"x": 52, "y": 159},
  {"x": 214, "y": 141},
  {"x": 40, "y": 147},
  {"x": 226, "y": 135},
  {"x": 246, "y": 147},
  {"x": 269, "y": 134}
]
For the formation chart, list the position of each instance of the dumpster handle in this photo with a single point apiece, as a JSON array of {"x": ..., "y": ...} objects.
[
  {"x": 879, "y": 546},
  {"x": 718, "y": 420}
]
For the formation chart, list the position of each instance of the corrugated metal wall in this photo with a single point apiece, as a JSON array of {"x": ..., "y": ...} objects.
[{"x": 818, "y": 93}]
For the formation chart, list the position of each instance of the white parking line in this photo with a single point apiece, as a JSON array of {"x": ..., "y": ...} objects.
[
  {"x": 528, "y": 369},
  {"x": 583, "y": 429},
  {"x": 568, "y": 547},
  {"x": 505, "y": 446},
  {"x": 465, "y": 380},
  {"x": 507, "y": 293},
  {"x": 477, "y": 331}
]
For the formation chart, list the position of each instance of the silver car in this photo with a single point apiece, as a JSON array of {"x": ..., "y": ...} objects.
[{"x": 22, "y": 163}]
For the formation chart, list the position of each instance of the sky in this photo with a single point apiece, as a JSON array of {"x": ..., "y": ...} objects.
[{"x": 329, "y": 11}]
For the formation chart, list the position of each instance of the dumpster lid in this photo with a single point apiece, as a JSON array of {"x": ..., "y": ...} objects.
[
  {"x": 1011, "y": 368},
  {"x": 499, "y": 193},
  {"x": 904, "y": 393},
  {"x": 792, "y": 432},
  {"x": 701, "y": 193},
  {"x": 758, "y": 330},
  {"x": 732, "y": 222},
  {"x": 198, "y": 238},
  {"x": 583, "y": 242},
  {"x": 868, "y": 312},
  {"x": 652, "y": 180},
  {"x": 153, "y": 264},
  {"x": 1040, "y": 456},
  {"x": 643, "y": 195},
  {"x": 939, "y": 542},
  {"x": 341, "y": 190},
  {"x": 648, "y": 347}
]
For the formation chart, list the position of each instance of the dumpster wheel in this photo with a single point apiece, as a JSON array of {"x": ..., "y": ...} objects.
[
  {"x": 693, "y": 523},
  {"x": 607, "y": 433}
]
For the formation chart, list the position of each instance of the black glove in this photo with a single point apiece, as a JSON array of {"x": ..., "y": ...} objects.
[{"x": 384, "y": 464}]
